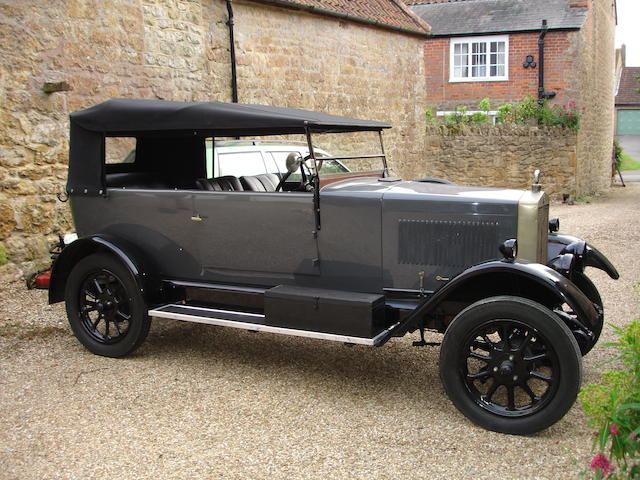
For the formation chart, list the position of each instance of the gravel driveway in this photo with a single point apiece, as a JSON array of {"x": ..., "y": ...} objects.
[{"x": 205, "y": 402}]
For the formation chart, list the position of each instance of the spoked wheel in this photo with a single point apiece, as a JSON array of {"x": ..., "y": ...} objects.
[
  {"x": 105, "y": 308},
  {"x": 510, "y": 365}
]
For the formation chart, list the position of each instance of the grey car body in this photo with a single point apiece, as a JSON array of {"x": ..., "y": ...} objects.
[{"x": 358, "y": 259}]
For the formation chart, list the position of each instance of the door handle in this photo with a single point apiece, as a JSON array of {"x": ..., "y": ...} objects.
[{"x": 196, "y": 218}]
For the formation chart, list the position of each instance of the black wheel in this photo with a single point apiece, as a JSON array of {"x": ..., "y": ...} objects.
[
  {"x": 105, "y": 308},
  {"x": 589, "y": 289},
  {"x": 510, "y": 365}
]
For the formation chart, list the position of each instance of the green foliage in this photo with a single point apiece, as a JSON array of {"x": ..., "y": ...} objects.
[
  {"x": 485, "y": 105},
  {"x": 3, "y": 255},
  {"x": 429, "y": 114},
  {"x": 528, "y": 111},
  {"x": 505, "y": 113},
  {"x": 459, "y": 117},
  {"x": 479, "y": 117},
  {"x": 617, "y": 153},
  {"x": 613, "y": 409}
]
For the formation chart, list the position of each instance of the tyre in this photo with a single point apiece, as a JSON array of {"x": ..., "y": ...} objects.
[
  {"x": 589, "y": 289},
  {"x": 105, "y": 307},
  {"x": 510, "y": 365}
]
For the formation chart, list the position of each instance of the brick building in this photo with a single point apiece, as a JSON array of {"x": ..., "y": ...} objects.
[
  {"x": 326, "y": 55},
  {"x": 489, "y": 49}
]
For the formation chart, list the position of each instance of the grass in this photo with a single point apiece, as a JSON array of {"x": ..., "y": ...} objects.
[{"x": 629, "y": 163}]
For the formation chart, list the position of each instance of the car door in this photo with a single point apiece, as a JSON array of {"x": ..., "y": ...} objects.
[{"x": 263, "y": 238}]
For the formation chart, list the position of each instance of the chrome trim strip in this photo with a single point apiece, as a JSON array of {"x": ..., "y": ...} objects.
[
  {"x": 217, "y": 310},
  {"x": 259, "y": 327},
  {"x": 217, "y": 286}
]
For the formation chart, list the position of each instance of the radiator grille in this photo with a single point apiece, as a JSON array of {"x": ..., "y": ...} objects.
[{"x": 447, "y": 243}]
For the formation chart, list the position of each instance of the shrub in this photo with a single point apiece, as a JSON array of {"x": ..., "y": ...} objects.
[
  {"x": 485, "y": 105},
  {"x": 617, "y": 153},
  {"x": 479, "y": 117},
  {"x": 613, "y": 409},
  {"x": 429, "y": 114},
  {"x": 527, "y": 111},
  {"x": 505, "y": 113}
]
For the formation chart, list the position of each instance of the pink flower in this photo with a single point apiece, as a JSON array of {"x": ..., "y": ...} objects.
[
  {"x": 600, "y": 462},
  {"x": 613, "y": 429},
  {"x": 572, "y": 105},
  {"x": 633, "y": 436}
]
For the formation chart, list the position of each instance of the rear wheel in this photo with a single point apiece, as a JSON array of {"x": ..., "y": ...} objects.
[
  {"x": 510, "y": 365},
  {"x": 105, "y": 307}
]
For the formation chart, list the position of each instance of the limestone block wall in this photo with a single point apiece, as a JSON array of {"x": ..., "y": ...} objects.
[
  {"x": 503, "y": 156},
  {"x": 178, "y": 50},
  {"x": 595, "y": 70}
]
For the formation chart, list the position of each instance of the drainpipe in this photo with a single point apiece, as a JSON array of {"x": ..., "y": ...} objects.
[
  {"x": 232, "y": 50},
  {"x": 542, "y": 95}
]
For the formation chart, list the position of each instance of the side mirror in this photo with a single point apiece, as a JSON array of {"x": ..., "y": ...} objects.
[{"x": 293, "y": 162}]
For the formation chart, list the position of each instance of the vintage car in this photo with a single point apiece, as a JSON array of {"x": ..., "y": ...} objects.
[{"x": 354, "y": 255}]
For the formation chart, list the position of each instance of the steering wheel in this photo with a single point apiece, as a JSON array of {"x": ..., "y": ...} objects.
[
  {"x": 294, "y": 161},
  {"x": 320, "y": 161}
]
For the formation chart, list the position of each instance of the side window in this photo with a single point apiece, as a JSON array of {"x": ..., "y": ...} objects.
[
  {"x": 239, "y": 164},
  {"x": 119, "y": 150}
]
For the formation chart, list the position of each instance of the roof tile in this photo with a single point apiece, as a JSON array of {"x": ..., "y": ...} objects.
[
  {"x": 629, "y": 85},
  {"x": 477, "y": 17},
  {"x": 391, "y": 13}
]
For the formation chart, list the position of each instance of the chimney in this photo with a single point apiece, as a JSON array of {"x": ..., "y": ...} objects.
[{"x": 578, "y": 3}]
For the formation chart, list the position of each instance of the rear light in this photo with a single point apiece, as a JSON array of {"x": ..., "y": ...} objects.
[{"x": 42, "y": 279}]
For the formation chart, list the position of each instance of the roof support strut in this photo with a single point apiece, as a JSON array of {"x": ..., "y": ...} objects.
[{"x": 232, "y": 51}]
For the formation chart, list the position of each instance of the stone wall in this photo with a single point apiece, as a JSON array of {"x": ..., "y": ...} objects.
[
  {"x": 595, "y": 71},
  {"x": 503, "y": 156},
  {"x": 178, "y": 50}
]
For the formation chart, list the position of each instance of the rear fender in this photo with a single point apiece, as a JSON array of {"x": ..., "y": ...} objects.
[
  {"x": 130, "y": 257},
  {"x": 499, "y": 277}
]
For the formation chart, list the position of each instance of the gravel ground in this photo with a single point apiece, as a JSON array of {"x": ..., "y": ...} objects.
[{"x": 205, "y": 402}]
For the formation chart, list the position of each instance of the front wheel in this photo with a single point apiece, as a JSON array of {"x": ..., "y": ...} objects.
[
  {"x": 510, "y": 365},
  {"x": 105, "y": 307}
]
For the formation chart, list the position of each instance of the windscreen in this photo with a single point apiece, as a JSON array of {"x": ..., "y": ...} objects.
[{"x": 339, "y": 155}]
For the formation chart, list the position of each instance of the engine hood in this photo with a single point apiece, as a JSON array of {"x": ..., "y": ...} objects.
[{"x": 422, "y": 191}]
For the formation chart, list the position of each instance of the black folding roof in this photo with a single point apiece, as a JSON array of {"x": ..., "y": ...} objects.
[{"x": 121, "y": 115}]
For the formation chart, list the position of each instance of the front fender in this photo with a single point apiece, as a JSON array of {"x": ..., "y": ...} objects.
[
  {"x": 554, "y": 284},
  {"x": 585, "y": 255},
  {"x": 76, "y": 251}
]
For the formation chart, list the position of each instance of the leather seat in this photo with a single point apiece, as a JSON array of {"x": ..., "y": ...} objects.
[
  {"x": 266, "y": 182},
  {"x": 227, "y": 183}
]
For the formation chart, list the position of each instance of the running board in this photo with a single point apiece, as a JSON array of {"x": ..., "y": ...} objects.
[{"x": 253, "y": 321}]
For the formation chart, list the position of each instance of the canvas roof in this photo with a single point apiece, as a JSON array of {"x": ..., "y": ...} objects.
[
  {"x": 476, "y": 17},
  {"x": 120, "y": 115}
]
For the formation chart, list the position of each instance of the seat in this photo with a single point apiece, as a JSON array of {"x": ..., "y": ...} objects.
[
  {"x": 266, "y": 182},
  {"x": 227, "y": 183}
]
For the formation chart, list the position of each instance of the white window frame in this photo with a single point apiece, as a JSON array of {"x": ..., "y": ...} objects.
[{"x": 487, "y": 39}]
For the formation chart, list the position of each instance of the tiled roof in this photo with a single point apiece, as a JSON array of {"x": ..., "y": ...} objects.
[
  {"x": 628, "y": 88},
  {"x": 385, "y": 13},
  {"x": 423, "y": 2},
  {"x": 473, "y": 17}
]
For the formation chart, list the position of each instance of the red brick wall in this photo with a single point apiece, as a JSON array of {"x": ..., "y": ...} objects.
[{"x": 443, "y": 95}]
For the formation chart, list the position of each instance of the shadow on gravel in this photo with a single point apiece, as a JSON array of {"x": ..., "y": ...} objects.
[{"x": 395, "y": 368}]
